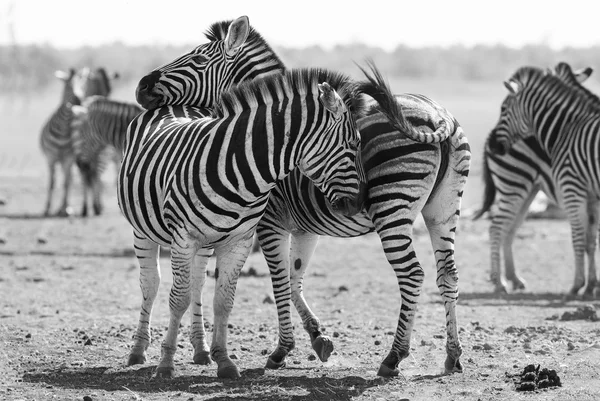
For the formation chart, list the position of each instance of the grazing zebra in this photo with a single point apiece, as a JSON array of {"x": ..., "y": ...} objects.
[
  {"x": 199, "y": 185},
  {"x": 405, "y": 178},
  {"x": 99, "y": 133},
  {"x": 512, "y": 181},
  {"x": 56, "y": 137},
  {"x": 564, "y": 118}
]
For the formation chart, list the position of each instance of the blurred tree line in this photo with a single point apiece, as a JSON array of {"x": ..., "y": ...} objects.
[{"x": 31, "y": 67}]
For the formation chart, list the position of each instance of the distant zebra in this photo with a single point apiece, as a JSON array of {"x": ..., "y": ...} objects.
[
  {"x": 512, "y": 181},
  {"x": 100, "y": 131},
  {"x": 564, "y": 118},
  {"x": 56, "y": 136},
  {"x": 405, "y": 177},
  {"x": 202, "y": 184}
]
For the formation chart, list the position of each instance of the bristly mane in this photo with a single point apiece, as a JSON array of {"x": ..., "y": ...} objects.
[
  {"x": 525, "y": 74},
  {"x": 299, "y": 81},
  {"x": 218, "y": 31}
]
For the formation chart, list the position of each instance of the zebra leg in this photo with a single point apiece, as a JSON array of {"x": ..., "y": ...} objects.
[
  {"x": 51, "y": 181},
  {"x": 147, "y": 255},
  {"x": 590, "y": 247},
  {"x": 97, "y": 195},
  {"x": 511, "y": 214},
  {"x": 67, "y": 170},
  {"x": 230, "y": 261},
  {"x": 84, "y": 191},
  {"x": 275, "y": 244},
  {"x": 399, "y": 251},
  {"x": 302, "y": 248},
  {"x": 577, "y": 212},
  {"x": 197, "y": 333},
  {"x": 182, "y": 255}
]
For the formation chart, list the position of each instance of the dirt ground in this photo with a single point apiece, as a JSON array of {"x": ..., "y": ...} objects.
[{"x": 69, "y": 302}]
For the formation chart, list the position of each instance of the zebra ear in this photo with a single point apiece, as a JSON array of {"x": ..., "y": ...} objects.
[
  {"x": 62, "y": 75},
  {"x": 331, "y": 100},
  {"x": 512, "y": 86},
  {"x": 237, "y": 34},
  {"x": 582, "y": 74}
]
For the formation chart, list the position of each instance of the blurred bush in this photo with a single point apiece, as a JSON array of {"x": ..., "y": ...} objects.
[{"x": 31, "y": 67}]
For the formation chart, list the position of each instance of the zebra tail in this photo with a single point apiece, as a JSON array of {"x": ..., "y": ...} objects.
[
  {"x": 378, "y": 88},
  {"x": 489, "y": 192}
]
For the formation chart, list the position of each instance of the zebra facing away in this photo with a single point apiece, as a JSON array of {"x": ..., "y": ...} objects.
[
  {"x": 56, "y": 138},
  {"x": 564, "y": 118},
  {"x": 512, "y": 181},
  {"x": 408, "y": 172},
  {"x": 199, "y": 185},
  {"x": 99, "y": 131}
]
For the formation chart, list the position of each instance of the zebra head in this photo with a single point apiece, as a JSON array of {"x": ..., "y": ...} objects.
[
  {"x": 331, "y": 159},
  {"x": 68, "y": 95},
  {"x": 235, "y": 53},
  {"x": 515, "y": 120},
  {"x": 90, "y": 82}
]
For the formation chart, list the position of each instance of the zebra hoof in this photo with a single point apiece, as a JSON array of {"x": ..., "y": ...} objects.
[
  {"x": 136, "y": 359},
  {"x": 386, "y": 371},
  {"x": 228, "y": 372},
  {"x": 202, "y": 358},
  {"x": 323, "y": 346},
  {"x": 164, "y": 372},
  {"x": 452, "y": 365},
  {"x": 271, "y": 364}
]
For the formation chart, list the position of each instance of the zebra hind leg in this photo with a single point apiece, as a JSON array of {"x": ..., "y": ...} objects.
[
  {"x": 590, "y": 247},
  {"x": 51, "y": 182},
  {"x": 197, "y": 332},
  {"x": 275, "y": 244},
  {"x": 147, "y": 255},
  {"x": 67, "y": 165},
  {"x": 301, "y": 250}
]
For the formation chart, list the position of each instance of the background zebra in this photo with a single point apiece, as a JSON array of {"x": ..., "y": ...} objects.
[
  {"x": 564, "y": 118},
  {"x": 405, "y": 178},
  {"x": 512, "y": 181},
  {"x": 202, "y": 184},
  {"x": 56, "y": 139},
  {"x": 99, "y": 133}
]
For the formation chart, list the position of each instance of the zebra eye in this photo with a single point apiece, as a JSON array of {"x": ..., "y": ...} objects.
[{"x": 199, "y": 58}]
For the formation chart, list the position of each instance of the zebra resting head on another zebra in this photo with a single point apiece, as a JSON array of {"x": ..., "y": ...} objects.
[{"x": 232, "y": 46}]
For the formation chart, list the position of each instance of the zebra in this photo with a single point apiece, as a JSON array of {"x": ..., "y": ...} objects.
[
  {"x": 405, "y": 178},
  {"x": 56, "y": 135},
  {"x": 564, "y": 118},
  {"x": 99, "y": 133},
  {"x": 199, "y": 185},
  {"x": 512, "y": 181}
]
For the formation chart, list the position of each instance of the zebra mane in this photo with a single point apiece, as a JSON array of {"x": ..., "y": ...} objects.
[
  {"x": 300, "y": 81},
  {"x": 562, "y": 76},
  {"x": 218, "y": 31}
]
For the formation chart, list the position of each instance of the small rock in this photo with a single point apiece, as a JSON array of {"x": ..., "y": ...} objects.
[
  {"x": 87, "y": 398},
  {"x": 570, "y": 346},
  {"x": 89, "y": 342},
  {"x": 42, "y": 240},
  {"x": 487, "y": 347},
  {"x": 377, "y": 342},
  {"x": 336, "y": 334},
  {"x": 342, "y": 288},
  {"x": 233, "y": 356},
  {"x": 268, "y": 300},
  {"x": 264, "y": 352},
  {"x": 312, "y": 357},
  {"x": 296, "y": 362},
  {"x": 28, "y": 335}
]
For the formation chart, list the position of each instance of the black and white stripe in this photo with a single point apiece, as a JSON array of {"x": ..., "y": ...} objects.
[{"x": 563, "y": 117}]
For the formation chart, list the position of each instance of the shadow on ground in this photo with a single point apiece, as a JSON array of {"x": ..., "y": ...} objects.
[
  {"x": 253, "y": 385},
  {"x": 545, "y": 299}
]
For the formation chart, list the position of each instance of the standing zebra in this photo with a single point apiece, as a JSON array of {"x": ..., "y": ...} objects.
[
  {"x": 513, "y": 180},
  {"x": 56, "y": 138},
  {"x": 405, "y": 177},
  {"x": 99, "y": 133},
  {"x": 564, "y": 118},
  {"x": 199, "y": 185}
]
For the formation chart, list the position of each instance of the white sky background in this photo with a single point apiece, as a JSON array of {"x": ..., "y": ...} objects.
[{"x": 300, "y": 23}]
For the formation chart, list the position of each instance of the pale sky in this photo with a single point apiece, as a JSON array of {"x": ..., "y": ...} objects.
[{"x": 300, "y": 23}]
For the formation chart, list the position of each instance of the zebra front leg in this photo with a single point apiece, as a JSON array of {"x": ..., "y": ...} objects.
[
  {"x": 303, "y": 246},
  {"x": 230, "y": 261},
  {"x": 51, "y": 181},
  {"x": 590, "y": 247},
  {"x": 67, "y": 171},
  {"x": 97, "y": 194},
  {"x": 147, "y": 255},
  {"x": 275, "y": 244},
  {"x": 400, "y": 253},
  {"x": 197, "y": 332},
  {"x": 182, "y": 254}
]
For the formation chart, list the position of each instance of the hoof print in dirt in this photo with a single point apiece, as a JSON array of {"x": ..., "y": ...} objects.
[{"x": 532, "y": 378}]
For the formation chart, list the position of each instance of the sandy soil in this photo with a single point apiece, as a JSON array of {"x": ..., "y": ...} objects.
[{"x": 69, "y": 300}]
